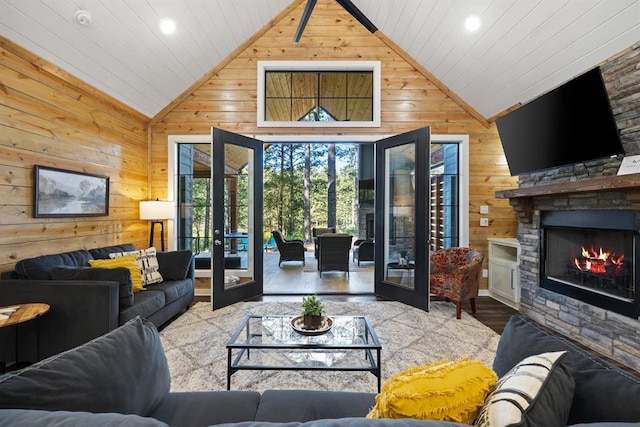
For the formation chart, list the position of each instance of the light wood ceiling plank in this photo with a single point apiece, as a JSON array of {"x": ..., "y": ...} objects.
[
  {"x": 408, "y": 27},
  {"x": 126, "y": 48},
  {"x": 106, "y": 73},
  {"x": 186, "y": 42},
  {"x": 548, "y": 43},
  {"x": 459, "y": 39},
  {"x": 520, "y": 42},
  {"x": 211, "y": 51},
  {"x": 209, "y": 27},
  {"x": 491, "y": 46},
  {"x": 574, "y": 58},
  {"x": 223, "y": 11},
  {"x": 173, "y": 57}
]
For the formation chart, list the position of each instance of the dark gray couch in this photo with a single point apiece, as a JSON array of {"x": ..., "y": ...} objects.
[
  {"x": 122, "y": 378},
  {"x": 88, "y": 302}
]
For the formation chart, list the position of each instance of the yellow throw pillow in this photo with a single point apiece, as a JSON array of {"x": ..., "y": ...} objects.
[
  {"x": 128, "y": 261},
  {"x": 444, "y": 390},
  {"x": 147, "y": 263}
]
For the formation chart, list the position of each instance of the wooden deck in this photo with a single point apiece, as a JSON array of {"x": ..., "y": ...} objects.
[{"x": 294, "y": 278}]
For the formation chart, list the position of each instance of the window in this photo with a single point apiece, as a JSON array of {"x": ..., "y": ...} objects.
[
  {"x": 194, "y": 189},
  {"x": 444, "y": 228},
  {"x": 449, "y": 173},
  {"x": 318, "y": 94}
]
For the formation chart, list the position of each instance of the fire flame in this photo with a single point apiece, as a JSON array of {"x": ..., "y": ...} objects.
[{"x": 597, "y": 261}]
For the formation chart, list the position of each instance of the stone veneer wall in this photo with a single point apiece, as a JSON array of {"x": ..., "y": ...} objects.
[
  {"x": 362, "y": 222},
  {"x": 609, "y": 333}
]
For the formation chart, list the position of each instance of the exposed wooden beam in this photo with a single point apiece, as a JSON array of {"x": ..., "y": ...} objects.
[
  {"x": 202, "y": 157},
  {"x": 357, "y": 13},
  {"x": 346, "y": 4},
  {"x": 304, "y": 19}
]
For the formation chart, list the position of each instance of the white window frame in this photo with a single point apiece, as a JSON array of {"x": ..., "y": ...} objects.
[{"x": 264, "y": 66}]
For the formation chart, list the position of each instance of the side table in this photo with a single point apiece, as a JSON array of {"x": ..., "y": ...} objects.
[
  {"x": 402, "y": 280},
  {"x": 24, "y": 313}
]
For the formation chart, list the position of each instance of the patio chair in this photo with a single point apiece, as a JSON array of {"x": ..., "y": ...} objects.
[
  {"x": 455, "y": 275},
  {"x": 290, "y": 250},
  {"x": 333, "y": 252},
  {"x": 319, "y": 232},
  {"x": 363, "y": 251}
]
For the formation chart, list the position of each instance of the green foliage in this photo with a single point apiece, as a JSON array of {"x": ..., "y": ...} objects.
[
  {"x": 312, "y": 306},
  {"x": 284, "y": 188},
  {"x": 283, "y": 192},
  {"x": 242, "y": 207},
  {"x": 200, "y": 213}
]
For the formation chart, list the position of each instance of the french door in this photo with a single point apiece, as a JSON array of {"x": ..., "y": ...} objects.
[
  {"x": 402, "y": 218},
  {"x": 237, "y": 248}
]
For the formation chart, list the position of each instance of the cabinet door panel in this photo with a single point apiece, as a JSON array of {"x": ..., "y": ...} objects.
[{"x": 502, "y": 280}]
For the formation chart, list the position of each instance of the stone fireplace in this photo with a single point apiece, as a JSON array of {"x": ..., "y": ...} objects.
[
  {"x": 590, "y": 255},
  {"x": 604, "y": 321},
  {"x": 552, "y": 292}
]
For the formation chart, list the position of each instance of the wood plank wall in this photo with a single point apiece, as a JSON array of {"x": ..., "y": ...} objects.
[
  {"x": 409, "y": 101},
  {"x": 48, "y": 117}
]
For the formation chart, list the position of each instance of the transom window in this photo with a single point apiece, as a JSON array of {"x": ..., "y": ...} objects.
[
  {"x": 318, "y": 96},
  {"x": 317, "y": 93}
]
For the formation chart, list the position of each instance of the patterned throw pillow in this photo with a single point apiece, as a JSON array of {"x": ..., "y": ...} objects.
[
  {"x": 538, "y": 391},
  {"x": 147, "y": 262},
  {"x": 125, "y": 261},
  {"x": 444, "y": 390}
]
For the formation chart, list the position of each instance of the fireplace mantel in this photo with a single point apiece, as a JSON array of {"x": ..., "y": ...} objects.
[{"x": 522, "y": 198}]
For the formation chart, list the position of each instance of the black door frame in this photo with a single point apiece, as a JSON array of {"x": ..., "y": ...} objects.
[
  {"x": 419, "y": 295},
  {"x": 220, "y": 296}
]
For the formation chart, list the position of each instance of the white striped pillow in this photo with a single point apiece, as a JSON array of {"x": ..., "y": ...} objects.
[
  {"x": 538, "y": 391},
  {"x": 147, "y": 262}
]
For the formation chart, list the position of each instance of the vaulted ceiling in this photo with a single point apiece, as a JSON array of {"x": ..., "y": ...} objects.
[{"x": 522, "y": 49}]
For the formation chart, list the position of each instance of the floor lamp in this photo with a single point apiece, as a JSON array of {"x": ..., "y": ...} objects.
[{"x": 156, "y": 211}]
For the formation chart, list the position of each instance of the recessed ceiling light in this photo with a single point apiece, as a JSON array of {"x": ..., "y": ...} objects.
[
  {"x": 167, "y": 26},
  {"x": 472, "y": 23}
]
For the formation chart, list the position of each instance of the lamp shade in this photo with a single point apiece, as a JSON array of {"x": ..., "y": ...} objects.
[{"x": 156, "y": 209}]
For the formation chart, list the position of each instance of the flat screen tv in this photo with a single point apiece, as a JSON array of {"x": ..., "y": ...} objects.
[{"x": 568, "y": 125}]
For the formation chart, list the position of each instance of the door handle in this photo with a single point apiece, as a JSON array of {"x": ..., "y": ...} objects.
[{"x": 217, "y": 242}]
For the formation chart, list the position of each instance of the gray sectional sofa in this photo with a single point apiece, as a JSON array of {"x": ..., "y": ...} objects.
[
  {"x": 122, "y": 378},
  {"x": 88, "y": 302}
]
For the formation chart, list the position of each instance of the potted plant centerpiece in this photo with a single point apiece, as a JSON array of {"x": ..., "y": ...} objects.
[
  {"x": 312, "y": 310},
  {"x": 403, "y": 257}
]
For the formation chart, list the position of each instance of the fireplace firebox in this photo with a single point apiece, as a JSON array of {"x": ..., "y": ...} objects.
[{"x": 590, "y": 255}]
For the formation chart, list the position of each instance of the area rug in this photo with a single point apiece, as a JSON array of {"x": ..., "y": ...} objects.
[{"x": 195, "y": 344}]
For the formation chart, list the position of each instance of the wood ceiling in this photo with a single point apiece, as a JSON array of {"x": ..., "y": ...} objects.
[{"x": 522, "y": 49}]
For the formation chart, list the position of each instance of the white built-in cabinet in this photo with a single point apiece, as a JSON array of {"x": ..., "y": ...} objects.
[{"x": 504, "y": 271}]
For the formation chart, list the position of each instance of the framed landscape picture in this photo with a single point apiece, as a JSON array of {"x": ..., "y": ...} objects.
[{"x": 64, "y": 193}]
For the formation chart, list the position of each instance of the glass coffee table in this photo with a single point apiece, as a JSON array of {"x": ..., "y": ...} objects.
[{"x": 272, "y": 343}]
